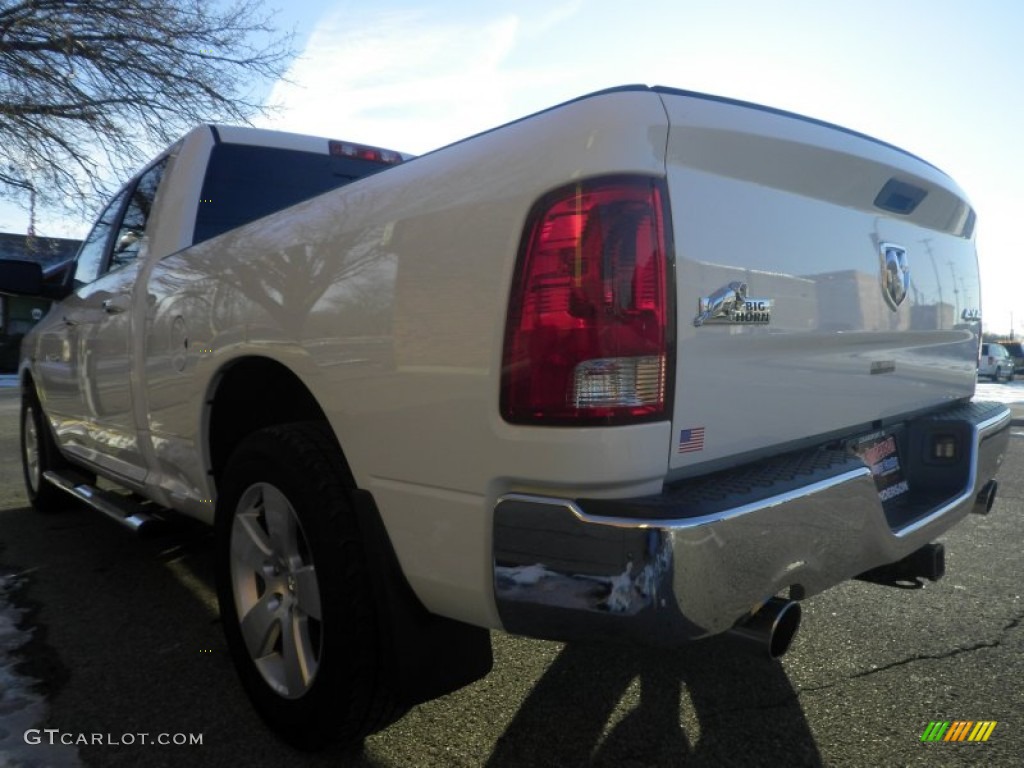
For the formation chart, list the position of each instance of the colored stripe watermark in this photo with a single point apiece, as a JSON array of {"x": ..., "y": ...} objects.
[{"x": 958, "y": 730}]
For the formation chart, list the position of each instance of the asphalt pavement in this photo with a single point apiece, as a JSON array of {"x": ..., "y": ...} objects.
[{"x": 126, "y": 640}]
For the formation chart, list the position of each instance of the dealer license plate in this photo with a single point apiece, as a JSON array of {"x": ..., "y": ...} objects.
[{"x": 880, "y": 451}]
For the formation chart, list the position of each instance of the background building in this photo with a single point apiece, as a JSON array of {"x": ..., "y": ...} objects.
[{"x": 19, "y": 313}]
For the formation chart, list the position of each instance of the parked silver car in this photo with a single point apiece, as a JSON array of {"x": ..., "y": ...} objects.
[
  {"x": 995, "y": 362},
  {"x": 1016, "y": 350}
]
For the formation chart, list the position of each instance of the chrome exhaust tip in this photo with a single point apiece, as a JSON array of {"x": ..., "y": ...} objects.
[
  {"x": 986, "y": 498},
  {"x": 772, "y": 627}
]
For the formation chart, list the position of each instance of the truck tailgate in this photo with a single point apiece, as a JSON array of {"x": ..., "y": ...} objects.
[{"x": 825, "y": 281}]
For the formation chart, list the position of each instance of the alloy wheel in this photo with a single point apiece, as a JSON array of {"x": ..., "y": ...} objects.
[
  {"x": 32, "y": 462},
  {"x": 277, "y": 595}
]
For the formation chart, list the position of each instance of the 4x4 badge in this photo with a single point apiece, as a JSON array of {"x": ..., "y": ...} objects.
[
  {"x": 730, "y": 305},
  {"x": 895, "y": 274}
]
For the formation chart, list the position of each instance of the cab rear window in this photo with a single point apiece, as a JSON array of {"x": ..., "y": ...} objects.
[{"x": 244, "y": 183}]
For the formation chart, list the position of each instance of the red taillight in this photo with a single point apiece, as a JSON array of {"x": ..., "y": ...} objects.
[{"x": 587, "y": 339}]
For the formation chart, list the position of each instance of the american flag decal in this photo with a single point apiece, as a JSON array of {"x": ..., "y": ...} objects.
[{"x": 691, "y": 440}]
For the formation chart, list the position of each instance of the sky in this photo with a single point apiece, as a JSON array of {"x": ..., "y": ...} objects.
[{"x": 941, "y": 79}]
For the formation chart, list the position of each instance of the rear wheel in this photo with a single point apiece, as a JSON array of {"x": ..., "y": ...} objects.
[{"x": 294, "y": 591}]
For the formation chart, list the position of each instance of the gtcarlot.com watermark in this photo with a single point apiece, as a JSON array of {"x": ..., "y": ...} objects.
[{"x": 54, "y": 736}]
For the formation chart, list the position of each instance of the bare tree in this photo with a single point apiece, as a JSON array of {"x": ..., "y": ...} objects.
[{"x": 104, "y": 81}]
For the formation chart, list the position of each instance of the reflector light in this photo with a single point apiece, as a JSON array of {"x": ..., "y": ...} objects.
[
  {"x": 944, "y": 447},
  {"x": 588, "y": 334},
  {"x": 361, "y": 152}
]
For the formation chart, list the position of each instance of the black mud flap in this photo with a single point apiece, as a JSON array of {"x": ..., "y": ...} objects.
[{"x": 429, "y": 655}]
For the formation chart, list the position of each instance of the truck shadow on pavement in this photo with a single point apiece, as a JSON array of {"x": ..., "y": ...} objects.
[
  {"x": 132, "y": 628},
  {"x": 712, "y": 703}
]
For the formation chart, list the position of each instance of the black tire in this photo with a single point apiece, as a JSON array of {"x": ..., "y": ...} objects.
[
  {"x": 39, "y": 454},
  {"x": 332, "y": 687}
]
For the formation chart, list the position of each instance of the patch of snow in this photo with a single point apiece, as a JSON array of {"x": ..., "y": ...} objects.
[
  {"x": 1011, "y": 392},
  {"x": 628, "y": 592},
  {"x": 21, "y": 707},
  {"x": 522, "y": 575},
  {"x": 621, "y": 596}
]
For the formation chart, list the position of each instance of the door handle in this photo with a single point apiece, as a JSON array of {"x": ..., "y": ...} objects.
[{"x": 116, "y": 305}]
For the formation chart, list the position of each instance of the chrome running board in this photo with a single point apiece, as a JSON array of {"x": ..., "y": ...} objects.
[{"x": 118, "y": 508}]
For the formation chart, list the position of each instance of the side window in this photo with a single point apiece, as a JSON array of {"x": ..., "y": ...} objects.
[
  {"x": 127, "y": 230},
  {"x": 133, "y": 225},
  {"x": 92, "y": 255}
]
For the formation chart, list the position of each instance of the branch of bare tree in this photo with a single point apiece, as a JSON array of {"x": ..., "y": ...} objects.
[{"x": 85, "y": 84}]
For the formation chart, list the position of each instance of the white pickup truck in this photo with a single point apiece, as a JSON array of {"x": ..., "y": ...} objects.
[{"x": 650, "y": 364}]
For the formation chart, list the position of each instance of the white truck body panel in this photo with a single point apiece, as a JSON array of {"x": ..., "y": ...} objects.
[
  {"x": 786, "y": 206},
  {"x": 388, "y": 299},
  {"x": 433, "y": 343}
]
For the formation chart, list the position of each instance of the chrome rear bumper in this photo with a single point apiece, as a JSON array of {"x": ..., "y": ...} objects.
[{"x": 699, "y": 557}]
